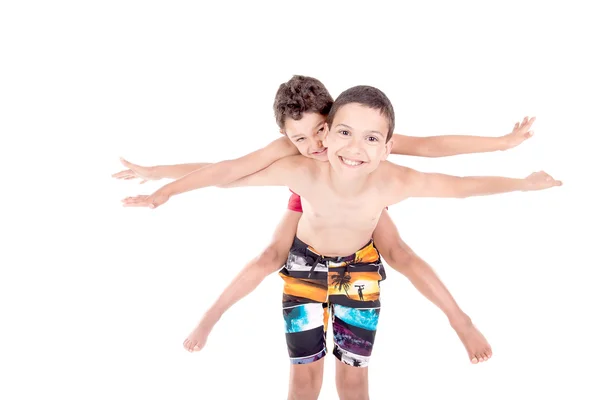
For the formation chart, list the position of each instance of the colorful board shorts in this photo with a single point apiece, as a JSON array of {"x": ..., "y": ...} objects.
[{"x": 345, "y": 287}]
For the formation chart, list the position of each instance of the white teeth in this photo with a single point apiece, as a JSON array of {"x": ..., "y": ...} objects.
[{"x": 352, "y": 163}]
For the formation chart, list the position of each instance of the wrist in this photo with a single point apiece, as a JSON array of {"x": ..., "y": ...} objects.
[
  {"x": 524, "y": 185},
  {"x": 169, "y": 189},
  {"x": 153, "y": 172},
  {"x": 504, "y": 143}
]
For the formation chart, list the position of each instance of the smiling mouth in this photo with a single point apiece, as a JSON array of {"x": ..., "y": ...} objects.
[
  {"x": 351, "y": 163},
  {"x": 316, "y": 153}
]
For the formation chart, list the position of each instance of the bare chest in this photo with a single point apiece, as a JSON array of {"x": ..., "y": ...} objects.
[{"x": 330, "y": 210}]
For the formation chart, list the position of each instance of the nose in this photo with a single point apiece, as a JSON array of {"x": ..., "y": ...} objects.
[
  {"x": 355, "y": 145},
  {"x": 316, "y": 143}
]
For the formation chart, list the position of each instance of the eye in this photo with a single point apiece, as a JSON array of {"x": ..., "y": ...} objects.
[
  {"x": 299, "y": 140},
  {"x": 320, "y": 130},
  {"x": 345, "y": 133},
  {"x": 372, "y": 139}
]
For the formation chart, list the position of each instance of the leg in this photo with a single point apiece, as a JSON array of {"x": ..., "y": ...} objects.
[
  {"x": 306, "y": 380},
  {"x": 401, "y": 257},
  {"x": 269, "y": 261},
  {"x": 352, "y": 383},
  {"x": 354, "y": 332},
  {"x": 305, "y": 334}
]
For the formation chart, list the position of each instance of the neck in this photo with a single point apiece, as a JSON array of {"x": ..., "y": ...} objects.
[{"x": 344, "y": 185}]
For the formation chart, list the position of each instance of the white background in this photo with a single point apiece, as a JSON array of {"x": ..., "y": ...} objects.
[{"x": 96, "y": 299}]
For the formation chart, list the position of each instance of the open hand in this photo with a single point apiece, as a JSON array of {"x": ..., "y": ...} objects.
[
  {"x": 541, "y": 180},
  {"x": 521, "y": 132},
  {"x": 154, "y": 200},
  {"x": 134, "y": 171}
]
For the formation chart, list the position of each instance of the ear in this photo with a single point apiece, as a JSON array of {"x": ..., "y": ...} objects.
[
  {"x": 282, "y": 132},
  {"x": 325, "y": 135},
  {"x": 388, "y": 149}
]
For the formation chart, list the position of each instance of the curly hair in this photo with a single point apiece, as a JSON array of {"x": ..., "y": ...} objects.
[{"x": 300, "y": 95}]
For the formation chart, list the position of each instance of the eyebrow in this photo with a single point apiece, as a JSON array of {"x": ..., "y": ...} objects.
[
  {"x": 302, "y": 134},
  {"x": 349, "y": 127}
]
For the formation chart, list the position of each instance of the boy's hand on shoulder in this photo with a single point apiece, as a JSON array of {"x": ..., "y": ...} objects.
[
  {"x": 133, "y": 171},
  {"x": 540, "y": 181},
  {"x": 520, "y": 133},
  {"x": 154, "y": 200}
]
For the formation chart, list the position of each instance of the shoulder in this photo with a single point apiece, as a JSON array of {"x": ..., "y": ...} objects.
[
  {"x": 280, "y": 148},
  {"x": 393, "y": 172},
  {"x": 303, "y": 163},
  {"x": 395, "y": 181}
]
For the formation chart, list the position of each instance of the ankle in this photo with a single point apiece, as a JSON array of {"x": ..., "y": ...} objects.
[
  {"x": 209, "y": 320},
  {"x": 460, "y": 320}
]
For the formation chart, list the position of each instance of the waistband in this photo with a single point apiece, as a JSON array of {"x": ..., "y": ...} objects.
[{"x": 367, "y": 253}]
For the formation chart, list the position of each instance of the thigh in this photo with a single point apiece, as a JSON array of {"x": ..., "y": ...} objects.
[
  {"x": 354, "y": 331},
  {"x": 305, "y": 331}
]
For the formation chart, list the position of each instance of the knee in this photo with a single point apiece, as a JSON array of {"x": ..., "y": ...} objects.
[
  {"x": 399, "y": 256},
  {"x": 353, "y": 386},
  {"x": 305, "y": 384},
  {"x": 270, "y": 259}
]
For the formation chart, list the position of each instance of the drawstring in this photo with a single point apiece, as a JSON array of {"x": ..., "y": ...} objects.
[{"x": 317, "y": 261}]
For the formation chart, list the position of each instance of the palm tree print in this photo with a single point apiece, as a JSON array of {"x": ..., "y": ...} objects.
[{"x": 342, "y": 281}]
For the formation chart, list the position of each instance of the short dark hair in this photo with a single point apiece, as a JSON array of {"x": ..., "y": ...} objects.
[
  {"x": 299, "y": 95},
  {"x": 366, "y": 96}
]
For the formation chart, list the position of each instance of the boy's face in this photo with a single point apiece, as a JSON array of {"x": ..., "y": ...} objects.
[
  {"x": 356, "y": 141},
  {"x": 307, "y": 135}
]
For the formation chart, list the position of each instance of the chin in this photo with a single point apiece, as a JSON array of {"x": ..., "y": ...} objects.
[{"x": 320, "y": 156}]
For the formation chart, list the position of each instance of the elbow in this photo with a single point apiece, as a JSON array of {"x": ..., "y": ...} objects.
[{"x": 226, "y": 177}]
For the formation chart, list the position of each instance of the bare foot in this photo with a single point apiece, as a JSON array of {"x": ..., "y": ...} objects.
[
  {"x": 478, "y": 348},
  {"x": 197, "y": 339}
]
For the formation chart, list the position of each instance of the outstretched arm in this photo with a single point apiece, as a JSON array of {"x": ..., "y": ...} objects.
[
  {"x": 228, "y": 171},
  {"x": 411, "y": 183},
  {"x": 291, "y": 171},
  {"x": 156, "y": 172},
  {"x": 450, "y": 145},
  {"x": 218, "y": 174}
]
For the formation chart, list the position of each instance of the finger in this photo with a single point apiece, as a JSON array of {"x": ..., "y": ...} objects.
[
  {"x": 528, "y": 134},
  {"x": 531, "y": 121},
  {"x": 516, "y": 126},
  {"x": 122, "y": 174},
  {"x": 138, "y": 204},
  {"x": 143, "y": 181},
  {"x": 127, "y": 163},
  {"x": 135, "y": 197},
  {"x": 524, "y": 121},
  {"x": 558, "y": 183},
  {"x": 134, "y": 200}
]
